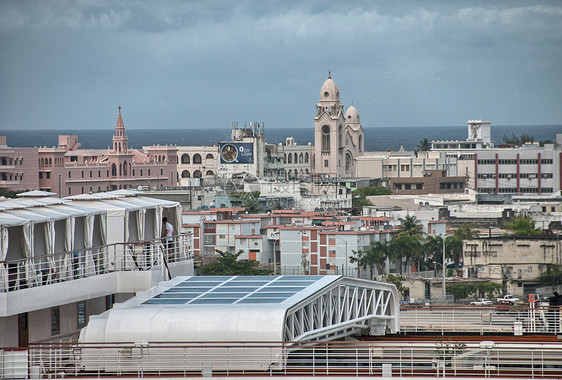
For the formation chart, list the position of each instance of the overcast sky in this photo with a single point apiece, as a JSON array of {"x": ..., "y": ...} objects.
[{"x": 204, "y": 64}]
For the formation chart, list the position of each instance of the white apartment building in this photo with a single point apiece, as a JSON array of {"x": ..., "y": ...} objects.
[
  {"x": 529, "y": 169},
  {"x": 196, "y": 162}
]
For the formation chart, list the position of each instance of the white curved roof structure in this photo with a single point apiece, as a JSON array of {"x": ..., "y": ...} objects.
[{"x": 250, "y": 308}]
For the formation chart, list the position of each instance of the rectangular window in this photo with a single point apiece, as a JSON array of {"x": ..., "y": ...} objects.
[
  {"x": 91, "y": 174},
  {"x": 40, "y": 175},
  {"x": 48, "y": 175},
  {"x": 99, "y": 173},
  {"x": 82, "y": 173},
  {"x": 69, "y": 174},
  {"x": 325, "y": 163},
  {"x": 133, "y": 172},
  {"x": 55, "y": 321},
  {"x": 81, "y": 314}
]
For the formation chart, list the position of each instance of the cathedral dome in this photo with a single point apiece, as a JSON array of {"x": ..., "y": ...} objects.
[
  {"x": 352, "y": 115},
  {"x": 330, "y": 91}
]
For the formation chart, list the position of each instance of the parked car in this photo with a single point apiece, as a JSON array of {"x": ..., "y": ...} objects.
[
  {"x": 508, "y": 298},
  {"x": 482, "y": 302}
]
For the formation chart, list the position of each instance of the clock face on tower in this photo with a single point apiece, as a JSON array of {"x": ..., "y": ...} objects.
[{"x": 229, "y": 153}]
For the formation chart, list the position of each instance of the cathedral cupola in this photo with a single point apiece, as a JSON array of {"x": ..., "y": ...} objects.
[{"x": 330, "y": 91}]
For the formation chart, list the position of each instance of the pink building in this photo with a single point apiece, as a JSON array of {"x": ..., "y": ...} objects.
[
  {"x": 69, "y": 170},
  {"x": 18, "y": 167}
]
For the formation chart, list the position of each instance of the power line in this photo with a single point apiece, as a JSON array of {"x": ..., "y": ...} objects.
[
  {"x": 387, "y": 83},
  {"x": 186, "y": 95}
]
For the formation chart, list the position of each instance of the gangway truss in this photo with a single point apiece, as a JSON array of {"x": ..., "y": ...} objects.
[{"x": 250, "y": 308}]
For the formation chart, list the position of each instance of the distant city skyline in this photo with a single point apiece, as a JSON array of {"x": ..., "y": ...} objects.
[{"x": 203, "y": 64}]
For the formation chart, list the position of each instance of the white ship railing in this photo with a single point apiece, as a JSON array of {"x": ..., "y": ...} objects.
[
  {"x": 65, "y": 266},
  {"x": 445, "y": 319},
  {"x": 384, "y": 358}
]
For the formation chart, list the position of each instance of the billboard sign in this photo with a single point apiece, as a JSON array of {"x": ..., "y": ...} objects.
[{"x": 236, "y": 153}]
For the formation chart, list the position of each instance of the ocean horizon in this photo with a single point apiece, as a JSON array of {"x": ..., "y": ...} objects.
[{"x": 376, "y": 138}]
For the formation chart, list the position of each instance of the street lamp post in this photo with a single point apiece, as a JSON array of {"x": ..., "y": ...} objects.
[
  {"x": 346, "y": 257},
  {"x": 444, "y": 267},
  {"x": 274, "y": 235}
]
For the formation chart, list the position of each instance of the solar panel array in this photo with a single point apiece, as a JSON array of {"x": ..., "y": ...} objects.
[{"x": 203, "y": 290}]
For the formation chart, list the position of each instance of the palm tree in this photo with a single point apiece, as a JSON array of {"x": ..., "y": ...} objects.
[
  {"x": 424, "y": 145},
  {"x": 374, "y": 257},
  {"x": 409, "y": 239},
  {"x": 454, "y": 243},
  {"x": 410, "y": 226}
]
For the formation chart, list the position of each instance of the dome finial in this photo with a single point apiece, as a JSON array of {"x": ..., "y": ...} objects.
[
  {"x": 119, "y": 108},
  {"x": 352, "y": 103},
  {"x": 330, "y": 74}
]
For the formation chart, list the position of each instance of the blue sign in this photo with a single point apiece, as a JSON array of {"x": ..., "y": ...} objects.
[{"x": 236, "y": 153}]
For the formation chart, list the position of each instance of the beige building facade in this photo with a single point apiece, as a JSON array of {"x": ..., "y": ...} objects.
[{"x": 515, "y": 262}]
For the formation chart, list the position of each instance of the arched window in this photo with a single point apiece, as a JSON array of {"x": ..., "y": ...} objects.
[
  {"x": 113, "y": 170},
  {"x": 185, "y": 174},
  {"x": 360, "y": 143},
  {"x": 197, "y": 173},
  {"x": 290, "y": 174},
  {"x": 210, "y": 172},
  {"x": 196, "y": 159},
  {"x": 300, "y": 158},
  {"x": 290, "y": 158},
  {"x": 286, "y": 157},
  {"x": 306, "y": 158},
  {"x": 296, "y": 158},
  {"x": 120, "y": 170},
  {"x": 209, "y": 156},
  {"x": 325, "y": 138},
  {"x": 125, "y": 168}
]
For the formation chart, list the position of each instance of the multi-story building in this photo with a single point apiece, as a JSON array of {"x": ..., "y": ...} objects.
[
  {"x": 69, "y": 170},
  {"x": 244, "y": 155},
  {"x": 515, "y": 262},
  {"x": 400, "y": 164},
  {"x": 431, "y": 182},
  {"x": 324, "y": 250},
  {"x": 528, "y": 169},
  {"x": 197, "y": 162},
  {"x": 62, "y": 261},
  {"x": 18, "y": 167}
]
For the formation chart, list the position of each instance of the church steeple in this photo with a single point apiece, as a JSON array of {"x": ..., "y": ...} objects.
[{"x": 120, "y": 140}]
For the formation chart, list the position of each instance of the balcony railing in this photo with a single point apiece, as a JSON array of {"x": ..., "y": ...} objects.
[
  {"x": 65, "y": 266},
  {"x": 466, "y": 359},
  {"x": 459, "y": 319}
]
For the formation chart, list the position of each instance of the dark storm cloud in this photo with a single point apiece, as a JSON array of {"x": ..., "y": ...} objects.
[{"x": 68, "y": 64}]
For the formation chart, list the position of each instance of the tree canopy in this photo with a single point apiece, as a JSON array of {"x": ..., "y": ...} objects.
[
  {"x": 522, "y": 227},
  {"x": 250, "y": 201},
  {"x": 360, "y": 195},
  {"x": 228, "y": 265},
  {"x": 517, "y": 140},
  {"x": 424, "y": 145},
  {"x": 552, "y": 276}
]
